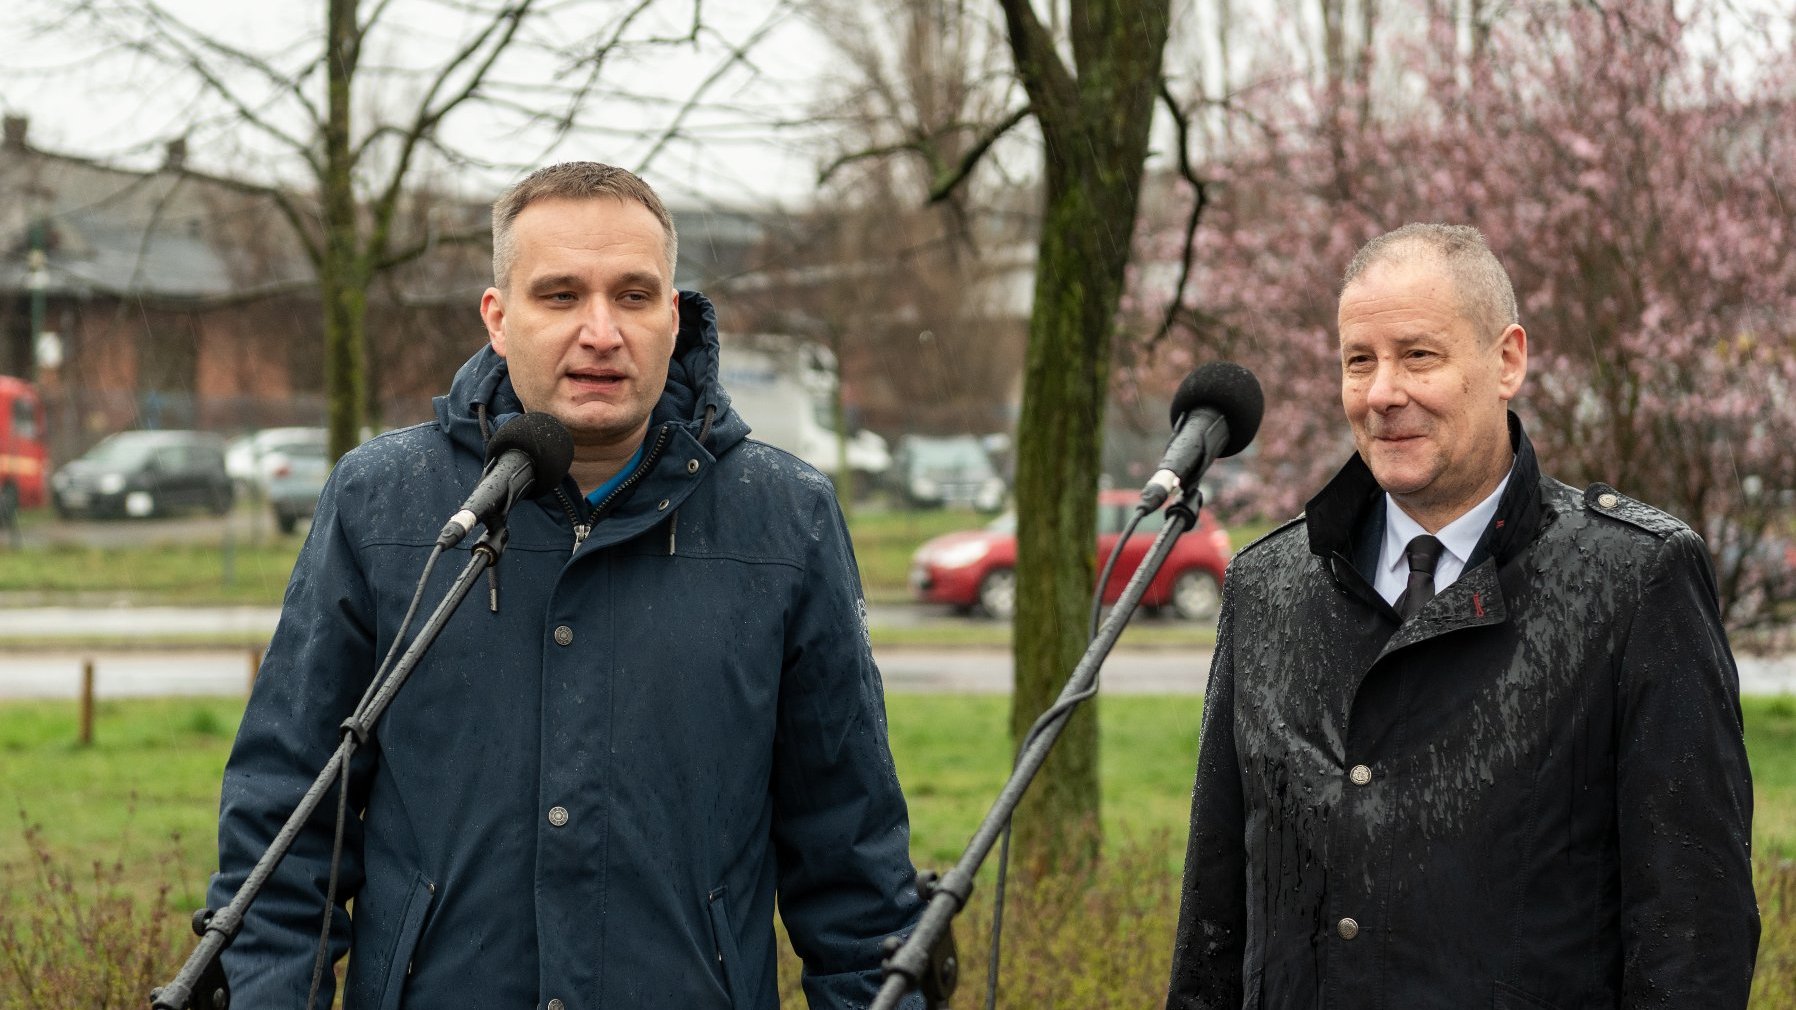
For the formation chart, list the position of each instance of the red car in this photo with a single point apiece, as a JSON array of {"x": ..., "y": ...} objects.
[{"x": 977, "y": 568}]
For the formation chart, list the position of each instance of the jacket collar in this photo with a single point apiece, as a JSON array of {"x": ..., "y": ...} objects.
[
  {"x": 1345, "y": 519},
  {"x": 481, "y": 397}
]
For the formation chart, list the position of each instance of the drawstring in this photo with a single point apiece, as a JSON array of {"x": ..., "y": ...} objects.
[
  {"x": 492, "y": 573},
  {"x": 705, "y": 428}
]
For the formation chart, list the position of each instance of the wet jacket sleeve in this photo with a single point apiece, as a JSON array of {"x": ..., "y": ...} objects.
[
  {"x": 317, "y": 665},
  {"x": 1208, "y": 948},
  {"x": 1684, "y": 794},
  {"x": 840, "y": 827}
]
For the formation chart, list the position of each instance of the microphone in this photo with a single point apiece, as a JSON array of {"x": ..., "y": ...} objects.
[
  {"x": 530, "y": 454},
  {"x": 1215, "y": 413}
]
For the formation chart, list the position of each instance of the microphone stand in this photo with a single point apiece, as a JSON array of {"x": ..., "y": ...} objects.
[
  {"x": 927, "y": 959},
  {"x": 201, "y": 984}
]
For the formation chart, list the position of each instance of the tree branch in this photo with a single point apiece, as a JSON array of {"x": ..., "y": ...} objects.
[
  {"x": 1052, "y": 88},
  {"x": 945, "y": 182},
  {"x": 470, "y": 236},
  {"x": 738, "y": 54},
  {"x": 506, "y": 22},
  {"x": 159, "y": 20},
  {"x": 1200, "y": 201}
]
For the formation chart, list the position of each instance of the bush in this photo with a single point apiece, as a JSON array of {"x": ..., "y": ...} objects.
[
  {"x": 74, "y": 938},
  {"x": 1101, "y": 941}
]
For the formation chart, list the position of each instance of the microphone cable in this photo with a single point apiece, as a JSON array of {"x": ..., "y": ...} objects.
[
  {"x": 322, "y": 954},
  {"x": 1042, "y": 721}
]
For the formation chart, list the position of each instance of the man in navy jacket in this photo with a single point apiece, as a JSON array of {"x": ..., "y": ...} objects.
[{"x": 590, "y": 792}]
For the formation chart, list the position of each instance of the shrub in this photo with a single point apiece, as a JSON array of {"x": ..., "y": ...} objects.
[{"x": 80, "y": 938}]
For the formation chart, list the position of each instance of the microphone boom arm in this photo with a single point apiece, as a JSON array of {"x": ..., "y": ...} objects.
[
  {"x": 926, "y": 958},
  {"x": 218, "y": 929}
]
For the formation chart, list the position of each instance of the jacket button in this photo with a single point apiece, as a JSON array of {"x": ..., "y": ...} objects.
[
  {"x": 1361, "y": 775},
  {"x": 556, "y": 1004},
  {"x": 1347, "y": 928},
  {"x": 558, "y": 816},
  {"x": 692, "y": 466},
  {"x": 564, "y": 635},
  {"x": 661, "y": 506},
  {"x": 1607, "y": 500}
]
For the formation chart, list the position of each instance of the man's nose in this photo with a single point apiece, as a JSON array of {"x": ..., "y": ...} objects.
[
  {"x": 1387, "y": 390},
  {"x": 599, "y": 326}
]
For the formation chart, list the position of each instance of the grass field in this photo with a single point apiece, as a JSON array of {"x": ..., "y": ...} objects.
[
  {"x": 253, "y": 569},
  {"x": 143, "y": 799}
]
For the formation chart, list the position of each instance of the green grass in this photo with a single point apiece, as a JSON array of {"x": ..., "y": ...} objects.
[
  {"x": 147, "y": 788},
  {"x": 884, "y": 541},
  {"x": 1771, "y": 747},
  {"x": 163, "y": 574},
  {"x": 154, "y": 768},
  {"x": 254, "y": 571},
  {"x": 144, "y": 797},
  {"x": 257, "y": 565}
]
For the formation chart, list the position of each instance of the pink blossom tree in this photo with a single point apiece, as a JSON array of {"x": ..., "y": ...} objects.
[{"x": 1641, "y": 188}]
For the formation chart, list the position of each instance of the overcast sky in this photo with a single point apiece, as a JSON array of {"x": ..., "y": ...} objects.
[{"x": 84, "y": 97}]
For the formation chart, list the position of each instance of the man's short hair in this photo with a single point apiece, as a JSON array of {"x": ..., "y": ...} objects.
[
  {"x": 573, "y": 180},
  {"x": 1486, "y": 296}
]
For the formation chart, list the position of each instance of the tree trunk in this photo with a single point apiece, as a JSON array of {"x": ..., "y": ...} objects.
[
  {"x": 1095, "y": 129},
  {"x": 342, "y": 277}
]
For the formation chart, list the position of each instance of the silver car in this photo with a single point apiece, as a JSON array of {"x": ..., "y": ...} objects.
[{"x": 293, "y": 470}]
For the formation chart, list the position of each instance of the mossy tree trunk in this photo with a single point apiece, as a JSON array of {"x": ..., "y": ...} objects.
[
  {"x": 1094, "y": 119},
  {"x": 342, "y": 288}
]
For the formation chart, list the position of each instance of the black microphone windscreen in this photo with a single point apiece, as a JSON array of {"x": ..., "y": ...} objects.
[
  {"x": 1231, "y": 391},
  {"x": 542, "y": 438}
]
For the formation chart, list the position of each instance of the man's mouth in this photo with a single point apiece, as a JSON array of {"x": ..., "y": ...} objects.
[{"x": 602, "y": 378}]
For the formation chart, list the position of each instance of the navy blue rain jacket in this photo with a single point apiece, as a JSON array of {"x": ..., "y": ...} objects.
[{"x": 592, "y": 794}]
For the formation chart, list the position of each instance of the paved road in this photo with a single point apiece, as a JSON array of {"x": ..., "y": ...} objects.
[
  {"x": 125, "y": 620},
  {"x": 119, "y": 674},
  {"x": 162, "y": 672}
]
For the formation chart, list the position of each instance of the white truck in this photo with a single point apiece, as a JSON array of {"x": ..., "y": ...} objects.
[{"x": 785, "y": 389}]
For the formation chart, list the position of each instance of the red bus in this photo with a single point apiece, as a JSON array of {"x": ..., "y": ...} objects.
[{"x": 24, "y": 447}]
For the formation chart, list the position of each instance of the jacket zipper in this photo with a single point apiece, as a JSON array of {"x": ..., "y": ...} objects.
[
  {"x": 580, "y": 529},
  {"x": 583, "y": 530}
]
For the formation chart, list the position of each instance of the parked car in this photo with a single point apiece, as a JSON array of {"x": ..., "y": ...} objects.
[
  {"x": 247, "y": 456},
  {"x": 24, "y": 448},
  {"x": 293, "y": 473},
  {"x": 952, "y": 471},
  {"x": 976, "y": 569},
  {"x": 145, "y": 473}
]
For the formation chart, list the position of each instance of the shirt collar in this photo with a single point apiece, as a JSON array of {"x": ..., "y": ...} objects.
[{"x": 1460, "y": 537}]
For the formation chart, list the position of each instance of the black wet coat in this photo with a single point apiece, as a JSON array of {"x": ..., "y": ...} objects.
[{"x": 1557, "y": 811}]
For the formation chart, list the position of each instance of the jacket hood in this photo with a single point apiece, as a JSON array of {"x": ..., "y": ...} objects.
[{"x": 481, "y": 398}]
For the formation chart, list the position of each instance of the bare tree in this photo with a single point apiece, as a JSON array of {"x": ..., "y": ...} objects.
[{"x": 362, "y": 129}]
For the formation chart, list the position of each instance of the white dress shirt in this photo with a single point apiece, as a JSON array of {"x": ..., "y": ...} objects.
[{"x": 1460, "y": 537}]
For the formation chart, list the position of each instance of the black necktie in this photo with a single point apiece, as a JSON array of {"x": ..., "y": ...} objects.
[{"x": 1423, "y": 552}]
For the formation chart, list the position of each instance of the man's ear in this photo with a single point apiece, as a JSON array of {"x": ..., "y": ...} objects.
[
  {"x": 492, "y": 313},
  {"x": 1513, "y": 365}
]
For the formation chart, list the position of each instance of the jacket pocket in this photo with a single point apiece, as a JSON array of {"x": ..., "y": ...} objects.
[
  {"x": 723, "y": 939},
  {"x": 405, "y": 941},
  {"x": 1508, "y": 997}
]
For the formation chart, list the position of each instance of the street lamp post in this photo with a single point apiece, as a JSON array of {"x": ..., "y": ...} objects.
[{"x": 37, "y": 281}]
